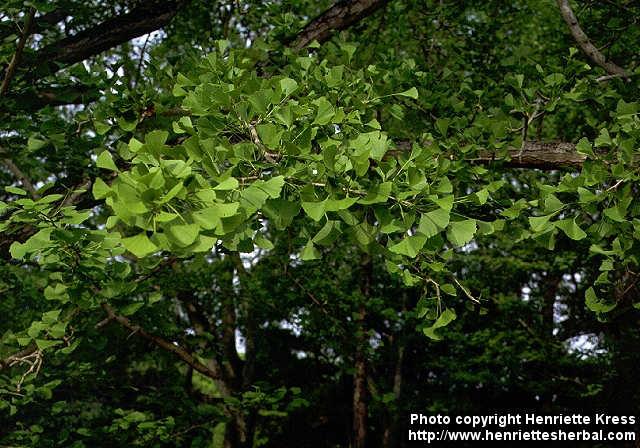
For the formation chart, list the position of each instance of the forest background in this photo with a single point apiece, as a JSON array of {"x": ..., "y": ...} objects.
[{"x": 290, "y": 223}]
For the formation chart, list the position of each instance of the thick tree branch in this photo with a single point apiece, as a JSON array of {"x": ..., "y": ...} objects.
[
  {"x": 148, "y": 16},
  {"x": 340, "y": 16},
  {"x": 585, "y": 44},
  {"x": 538, "y": 155},
  {"x": 15, "y": 60},
  {"x": 542, "y": 156}
]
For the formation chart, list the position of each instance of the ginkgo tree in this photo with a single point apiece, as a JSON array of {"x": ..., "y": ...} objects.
[{"x": 330, "y": 143}]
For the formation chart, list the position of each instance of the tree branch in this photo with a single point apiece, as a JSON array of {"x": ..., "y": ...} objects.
[
  {"x": 542, "y": 156},
  {"x": 148, "y": 16},
  {"x": 585, "y": 44},
  {"x": 160, "y": 342},
  {"x": 30, "y": 100},
  {"x": 533, "y": 154},
  {"x": 10, "y": 361},
  {"x": 340, "y": 16},
  {"x": 15, "y": 60},
  {"x": 39, "y": 23},
  {"x": 24, "y": 180}
]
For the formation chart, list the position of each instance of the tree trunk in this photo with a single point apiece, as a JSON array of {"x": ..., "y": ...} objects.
[
  {"x": 360, "y": 410},
  {"x": 399, "y": 341}
]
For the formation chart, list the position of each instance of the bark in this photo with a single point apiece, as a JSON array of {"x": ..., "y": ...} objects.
[
  {"x": 534, "y": 155},
  {"x": 148, "y": 16},
  {"x": 390, "y": 435},
  {"x": 585, "y": 44},
  {"x": 246, "y": 306},
  {"x": 340, "y": 16},
  {"x": 550, "y": 291},
  {"x": 360, "y": 398}
]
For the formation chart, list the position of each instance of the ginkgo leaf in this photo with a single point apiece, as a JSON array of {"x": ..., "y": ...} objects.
[
  {"x": 461, "y": 232},
  {"x": 139, "y": 245},
  {"x": 571, "y": 229}
]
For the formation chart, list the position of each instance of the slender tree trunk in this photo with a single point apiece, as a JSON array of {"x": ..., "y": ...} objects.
[
  {"x": 245, "y": 420},
  {"x": 391, "y": 432},
  {"x": 360, "y": 388},
  {"x": 549, "y": 294},
  {"x": 360, "y": 398}
]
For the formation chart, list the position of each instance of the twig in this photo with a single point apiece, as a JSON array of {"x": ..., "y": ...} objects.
[
  {"x": 15, "y": 60},
  {"x": 139, "y": 70},
  {"x": 615, "y": 186},
  {"x": 465, "y": 290}
]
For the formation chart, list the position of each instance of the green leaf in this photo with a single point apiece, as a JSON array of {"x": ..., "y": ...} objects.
[
  {"x": 328, "y": 234},
  {"x": 183, "y": 234},
  {"x": 448, "y": 288},
  {"x": 15, "y": 190},
  {"x": 315, "y": 210},
  {"x": 106, "y": 161},
  {"x": 100, "y": 189},
  {"x": 379, "y": 193},
  {"x": 51, "y": 316},
  {"x": 614, "y": 214},
  {"x": 409, "y": 246},
  {"x": 131, "y": 308},
  {"x": 595, "y": 304},
  {"x": 230, "y": 183},
  {"x": 335, "y": 205},
  {"x": 33, "y": 144},
  {"x": 269, "y": 135},
  {"x": 44, "y": 344},
  {"x": 482, "y": 196},
  {"x": 571, "y": 229},
  {"x": 447, "y": 316},
  {"x": 552, "y": 204},
  {"x": 139, "y": 245},
  {"x": 410, "y": 93},
  {"x": 584, "y": 146},
  {"x": 461, "y": 232},
  {"x": 288, "y": 86},
  {"x": 272, "y": 187},
  {"x": 325, "y": 111},
  {"x": 445, "y": 202},
  {"x": 17, "y": 250},
  {"x": 155, "y": 140},
  {"x": 310, "y": 252},
  {"x": 57, "y": 292},
  {"x": 603, "y": 139},
  {"x": 262, "y": 242},
  {"x": 539, "y": 223},
  {"x": 281, "y": 212},
  {"x": 433, "y": 222}
]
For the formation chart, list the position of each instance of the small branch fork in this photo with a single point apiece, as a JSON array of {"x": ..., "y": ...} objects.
[{"x": 31, "y": 356}]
